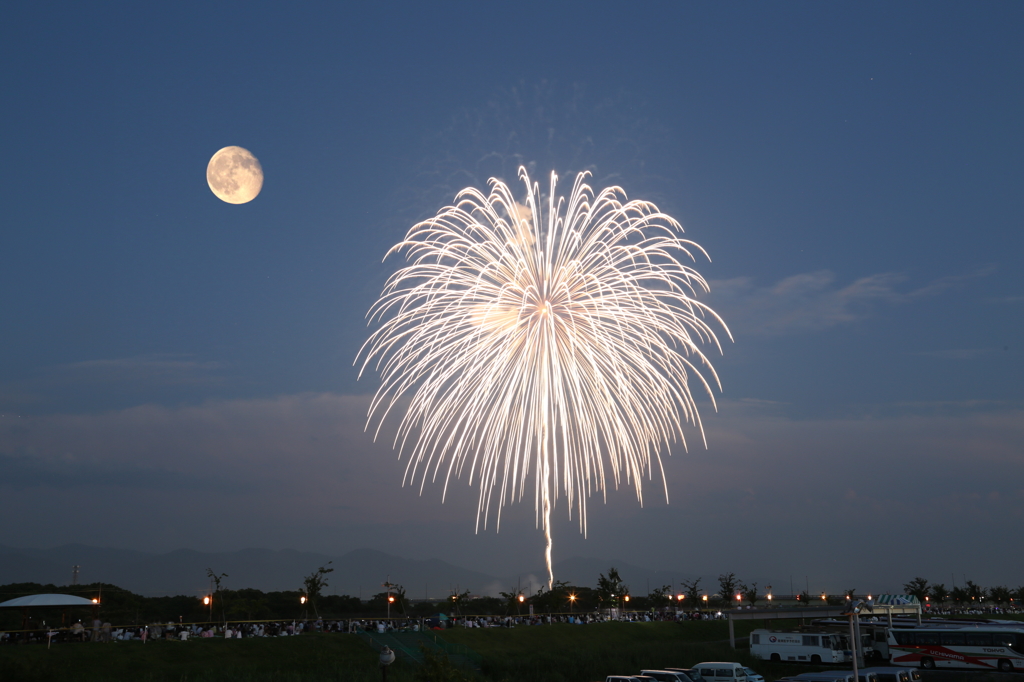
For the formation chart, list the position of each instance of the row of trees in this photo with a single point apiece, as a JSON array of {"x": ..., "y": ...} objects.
[
  {"x": 963, "y": 595},
  {"x": 225, "y": 604}
]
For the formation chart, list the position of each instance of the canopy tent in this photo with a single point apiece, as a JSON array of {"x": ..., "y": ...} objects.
[{"x": 43, "y": 600}]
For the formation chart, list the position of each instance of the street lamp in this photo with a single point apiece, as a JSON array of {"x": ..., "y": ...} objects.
[
  {"x": 705, "y": 598},
  {"x": 387, "y": 657},
  {"x": 572, "y": 600},
  {"x": 853, "y": 610}
]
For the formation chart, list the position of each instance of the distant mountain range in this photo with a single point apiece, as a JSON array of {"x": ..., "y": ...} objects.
[{"x": 359, "y": 572}]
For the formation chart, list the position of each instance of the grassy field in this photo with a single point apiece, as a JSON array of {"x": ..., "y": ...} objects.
[
  {"x": 542, "y": 653},
  {"x": 307, "y": 658},
  {"x": 587, "y": 653},
  {"x": 552, "y": 653}
]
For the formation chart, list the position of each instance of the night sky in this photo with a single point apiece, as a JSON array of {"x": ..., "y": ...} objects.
[{"x": 176, "y": 371}]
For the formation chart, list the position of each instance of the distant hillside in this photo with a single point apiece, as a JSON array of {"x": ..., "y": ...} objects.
[
  {"x": 358, "y": 573},
  {"x": 183, "y": 571}
]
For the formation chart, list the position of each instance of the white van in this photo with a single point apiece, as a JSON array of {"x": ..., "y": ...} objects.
[{"x": 721, "y": 671}]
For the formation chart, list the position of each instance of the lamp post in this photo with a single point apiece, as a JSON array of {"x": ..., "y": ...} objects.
[
  {"x": 572, "y": 601},
  {"x": 387, "y": 657},
  {"x": 768, "y": 589},
  {"x": 853, "y": 611}
]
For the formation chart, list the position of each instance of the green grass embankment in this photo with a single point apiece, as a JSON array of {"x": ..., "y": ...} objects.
[
  {"x": 587, "y": 653},
  {"x": 308, "y": 658}
]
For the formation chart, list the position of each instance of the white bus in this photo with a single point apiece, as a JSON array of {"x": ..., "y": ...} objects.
[
  {"x": 981, "y": 647},
  {"x": 808, "y": 647}
]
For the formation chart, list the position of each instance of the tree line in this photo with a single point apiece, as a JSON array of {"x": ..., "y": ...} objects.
[
  {"x": 964, "y": 595},
  {"x": 224, "y": 604}
]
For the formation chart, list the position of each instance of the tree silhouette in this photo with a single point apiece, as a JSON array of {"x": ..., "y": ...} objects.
[
  {"x": 315, "y": 582},
  {"x": 610, "y": 588}
]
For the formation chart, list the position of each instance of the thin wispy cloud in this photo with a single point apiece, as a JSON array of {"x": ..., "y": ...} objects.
[
  {"x": 956, "y": 353},
  {"x": 155, "y": 368},
  {"x": 814, "y": 301}
]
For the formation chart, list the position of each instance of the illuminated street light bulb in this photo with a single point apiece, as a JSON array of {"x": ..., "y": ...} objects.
[
  {"x": 869, "y": 597},
  {"x": 521, "y": 599},
  {"x": 302, "y": 599},
  {"x": 391, "y": 599},
  {"x": 681, "y": 597},
  {"x": 572, "y": 597},
  {"x": 626, "y": 597},
  {"x": 823, "y": 598},
  {"x": 206, "y": 601},
  {"x": 769, "y": 596},
  {"x": 95, "y": 600}
]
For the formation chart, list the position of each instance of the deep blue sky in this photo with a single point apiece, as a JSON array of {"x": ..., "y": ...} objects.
[{"x": 181, "y": 368}]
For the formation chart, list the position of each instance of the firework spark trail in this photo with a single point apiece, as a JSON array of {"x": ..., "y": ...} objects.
[{"x": 563, "y": 346}]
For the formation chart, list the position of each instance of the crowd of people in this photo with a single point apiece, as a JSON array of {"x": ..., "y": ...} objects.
[{"x": 105, "y": 632}]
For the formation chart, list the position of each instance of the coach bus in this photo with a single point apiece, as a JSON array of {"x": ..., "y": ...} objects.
[{"x": 981, "y": 647}]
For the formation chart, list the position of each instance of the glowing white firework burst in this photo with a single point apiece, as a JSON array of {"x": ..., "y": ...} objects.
[{"x": 557, "y": 343}]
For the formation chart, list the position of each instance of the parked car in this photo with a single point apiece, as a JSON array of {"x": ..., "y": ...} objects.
[
  {"x": 862, "y": 675},
  {"x": 753, "y": 676},
  {"x": 692, "y": 673},
  {"x": 895, "y": 674},
  {"x": 721, "y": 670},
  {"x": 620, "y": 678},
  {"x": 667, "y": 675}
]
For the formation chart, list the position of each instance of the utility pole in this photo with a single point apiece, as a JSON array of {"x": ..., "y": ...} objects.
[{"x": 74, "y": 574}]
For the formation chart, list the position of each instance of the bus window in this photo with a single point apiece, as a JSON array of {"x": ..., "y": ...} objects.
[
  {"x": 979, "y": 639},
  {"x": 926, "y": 638},
  {"x": 903, "y": 637},
  {"x": 1007, "y": 639},
  {"x": 810, "y": 640},
  {"x": 953, "y": 638}
]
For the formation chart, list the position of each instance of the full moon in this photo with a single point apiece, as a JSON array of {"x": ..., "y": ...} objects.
[{"x": 234, "y": 175}]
